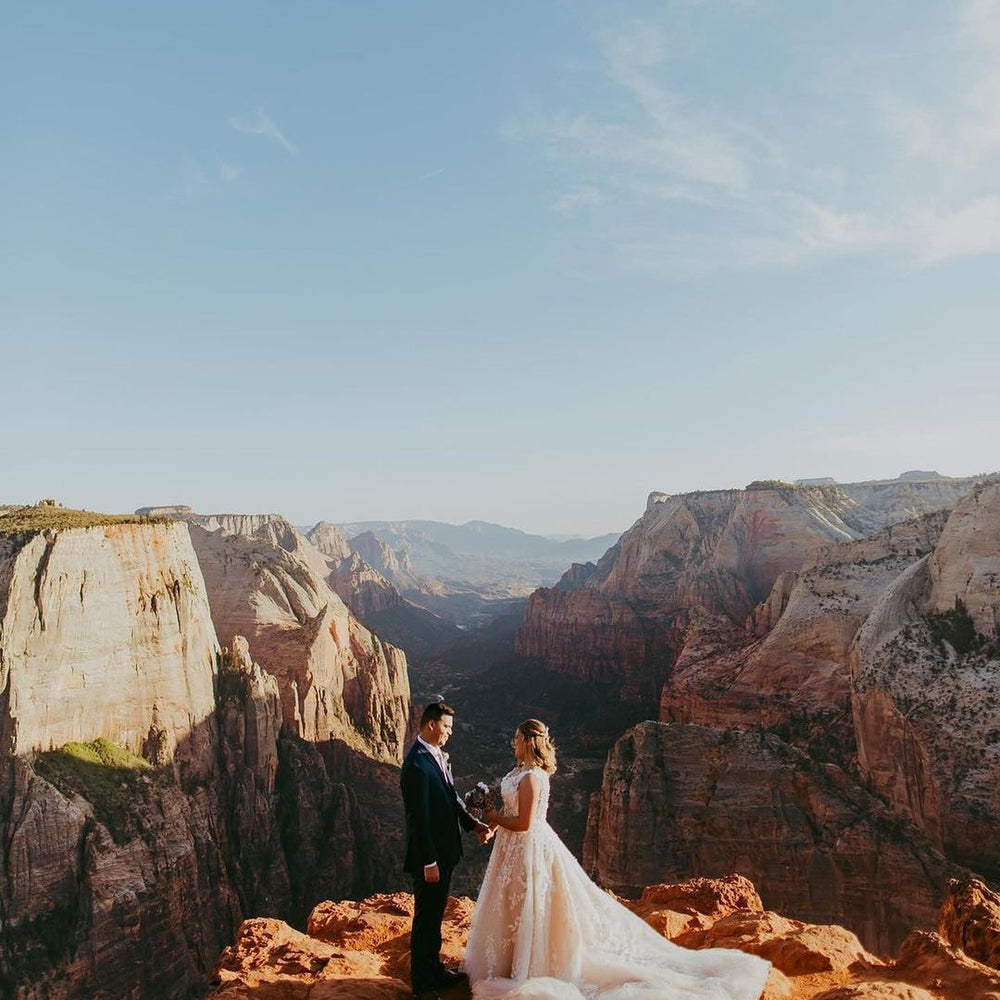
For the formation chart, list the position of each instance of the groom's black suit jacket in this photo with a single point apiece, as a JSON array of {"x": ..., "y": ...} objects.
[{"x": 434, "y": 814}]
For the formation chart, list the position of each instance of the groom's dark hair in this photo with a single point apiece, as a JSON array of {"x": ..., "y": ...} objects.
[{"x": 434, "y": 711}]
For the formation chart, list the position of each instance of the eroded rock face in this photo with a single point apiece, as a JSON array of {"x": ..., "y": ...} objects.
[
  {"x": 104, "y": 632},
  {"x": 337, "y": 679},
  {"x": 363, "y": 588},
  {"x": 970, "y": 920},
  {"x": 385, "y": 560},
  {"x": 129, "y": 905},
  {"x": 926, "y": 688},
  {"x": 794, "y": 947},
  {"x": 965, "y": 565},
  {"x": 703, "y": 556},
  {"x": 788, "y": 668},
  {"x": 129, "y": 861},
  {"x": 125, "y": 877},
  {"x": 330, "y": 541},
  {"x": 360, "y": 951},
  {"x": 677, "y": 799},
  {"x": 927, "y": 960}
]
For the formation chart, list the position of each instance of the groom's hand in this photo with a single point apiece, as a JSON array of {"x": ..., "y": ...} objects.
[
  {"x": 432, "y": 873},
  {"x": 484, "y": 833}
]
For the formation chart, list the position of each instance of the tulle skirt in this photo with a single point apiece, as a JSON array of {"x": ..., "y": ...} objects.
[{"x": 542, "y": 930}]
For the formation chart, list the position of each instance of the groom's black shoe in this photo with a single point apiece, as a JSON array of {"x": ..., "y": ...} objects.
[
  {"x": 450, "y": 977},
  {"x": 426, "y": 995}
]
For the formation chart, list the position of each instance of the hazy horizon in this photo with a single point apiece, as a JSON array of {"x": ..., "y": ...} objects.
[
  {"x": 552, "y": 533},
  {"x": 522, "y": 264}
]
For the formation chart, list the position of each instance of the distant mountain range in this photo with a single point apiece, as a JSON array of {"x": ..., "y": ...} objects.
[{"x": 479, "y": 553}]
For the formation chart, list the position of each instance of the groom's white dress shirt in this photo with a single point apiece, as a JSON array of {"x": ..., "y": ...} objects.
[{"x": 440, "y": 758}]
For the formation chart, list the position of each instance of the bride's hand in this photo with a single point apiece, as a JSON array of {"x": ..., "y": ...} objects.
[{"x": 491, "y": 816}]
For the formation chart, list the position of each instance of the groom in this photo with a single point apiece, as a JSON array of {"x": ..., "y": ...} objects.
[{"x": 434, "y": 813}]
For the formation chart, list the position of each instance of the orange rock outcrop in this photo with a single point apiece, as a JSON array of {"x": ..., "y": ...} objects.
[{"x": 359, "y": 950}]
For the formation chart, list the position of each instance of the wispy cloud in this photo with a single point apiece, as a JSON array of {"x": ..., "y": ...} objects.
[
  {"x": 971, "y": 230},
  {"x": 228, "y": 172},
  {"x": 199, "y": 178},
  {"x": 580, "y": 196},
  {"x": 677, "y": 182},
  {"x": 261, "y": 123},
  {"x": 964, "y": 135}
]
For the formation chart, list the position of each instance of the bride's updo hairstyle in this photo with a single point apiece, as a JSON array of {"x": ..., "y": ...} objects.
[{"x": 539, "y": 750}]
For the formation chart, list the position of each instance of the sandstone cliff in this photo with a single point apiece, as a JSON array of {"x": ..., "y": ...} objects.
[
  {"x": 680, "y": 800},
  {"x": 338, "y": 680},
  {"x": 394, "y": 566},
  {"x": 787, "y": 667},
  {"x": 151, "y": 795},
  {"x": 361, "y": 585},
  {"x": 712, "y": 556},
  {"x": 926, "y": 687},
  {"x": 868, "y": 657},
  {"x": 104, "y": 632}
]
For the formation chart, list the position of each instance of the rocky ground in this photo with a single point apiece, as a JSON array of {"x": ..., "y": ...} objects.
[{"x": 359, "y": 950}]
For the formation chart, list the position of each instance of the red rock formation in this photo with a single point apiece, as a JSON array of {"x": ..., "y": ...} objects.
[
  {"x": 124, "y": 875},
  {"x": 338, "y": 680},
  {"x": 927, "y": 960},
  {"x": 681, "y": 799},
  {"x": 796, "y": 678},
  {"x": 970, "y": 920},
  {"x": 713, "y": 555},
  {"x": 359, "y": 951},
  {"x": 673, "y": 909},
  {"x": 926, "y": 688}
]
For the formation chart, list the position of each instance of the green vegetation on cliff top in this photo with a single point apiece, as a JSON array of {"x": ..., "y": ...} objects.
[
  {"x": 106, "y": 775},
  {"x": 48, "y": 517}
]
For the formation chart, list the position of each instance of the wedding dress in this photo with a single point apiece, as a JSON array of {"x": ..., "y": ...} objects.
[{"x": 542, "y": 930}]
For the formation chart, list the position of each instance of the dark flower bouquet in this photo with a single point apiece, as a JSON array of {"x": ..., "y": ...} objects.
[{"x": 479, "y": 800}]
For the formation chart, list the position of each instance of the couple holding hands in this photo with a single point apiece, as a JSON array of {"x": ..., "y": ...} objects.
[{"x": 541, "y": 929}]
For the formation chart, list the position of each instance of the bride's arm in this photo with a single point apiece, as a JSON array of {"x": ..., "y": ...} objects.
[{"x": 527, "y": 800}]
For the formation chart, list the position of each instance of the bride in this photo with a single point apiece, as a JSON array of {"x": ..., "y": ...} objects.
[{"x": 542, "y": 930}]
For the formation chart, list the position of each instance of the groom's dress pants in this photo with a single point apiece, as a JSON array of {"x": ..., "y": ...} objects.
[{"x": 425, "y": 938}]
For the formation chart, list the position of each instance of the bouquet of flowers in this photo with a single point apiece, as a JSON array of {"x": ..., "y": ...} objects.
[{"x": 478, "y": 800}]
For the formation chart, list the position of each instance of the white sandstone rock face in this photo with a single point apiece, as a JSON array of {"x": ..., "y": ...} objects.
[
  {"x": 798, "y": 672},
  {"x": 363, "y": 588},
  {"x": 338, "y": 680},
  {"x": 926, "y": 687},
  {"x": 329, "y": 540},
  {"x": 966, "y": 562},
  {"x": 104, "y": 632},
  {"x": 700, "y": 559}
]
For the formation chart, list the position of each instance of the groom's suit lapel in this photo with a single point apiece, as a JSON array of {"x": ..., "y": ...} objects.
[{"x": 428, "y": 758}]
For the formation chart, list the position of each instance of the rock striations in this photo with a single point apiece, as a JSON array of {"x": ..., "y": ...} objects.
[
  {"x": 106, "y": 632},
  {"x": 926, "y": 687},
  {"x": 701, "y": 554},
  {"x": 852, "y": 631},
  {"x": 156, "y": 788},
  {"x": 338, "y": 680},
  {"x": 369, "y": 576},
  {"x": 683, "y": 799}
]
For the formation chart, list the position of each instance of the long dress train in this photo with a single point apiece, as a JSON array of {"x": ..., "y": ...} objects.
[{"x": 542, "y": 930}]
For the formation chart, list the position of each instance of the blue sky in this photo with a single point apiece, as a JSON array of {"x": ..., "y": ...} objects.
[{"x": 522, "y": 262}]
